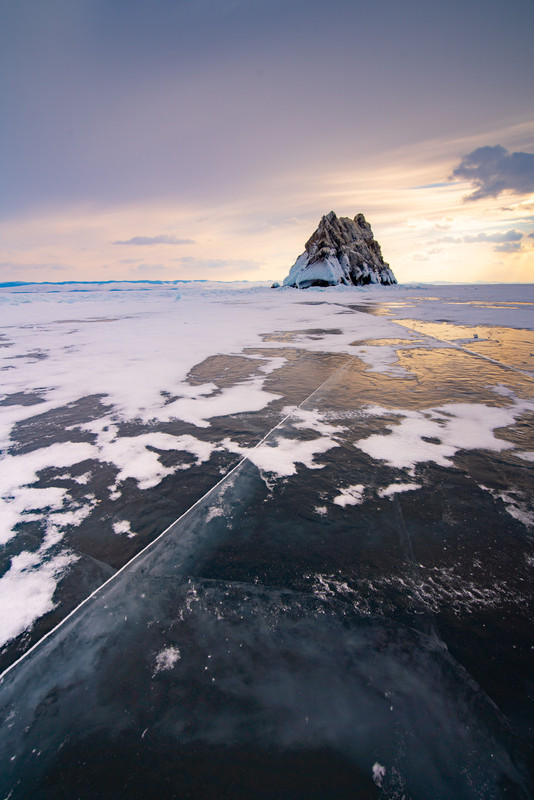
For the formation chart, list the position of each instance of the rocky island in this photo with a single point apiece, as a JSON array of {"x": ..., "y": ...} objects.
[{"x": 341, "y": 250}]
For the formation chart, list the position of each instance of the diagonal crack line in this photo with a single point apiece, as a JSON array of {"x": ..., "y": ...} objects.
[
  {"x": 152, "y": 544},
  {"x": 454, "y": 346}
]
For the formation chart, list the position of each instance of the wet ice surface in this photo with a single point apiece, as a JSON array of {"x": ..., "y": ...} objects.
[{"x": 346, "y": 614}]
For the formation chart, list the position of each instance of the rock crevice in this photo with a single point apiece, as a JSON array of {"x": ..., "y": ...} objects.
[{"x": 341, "y": 250}]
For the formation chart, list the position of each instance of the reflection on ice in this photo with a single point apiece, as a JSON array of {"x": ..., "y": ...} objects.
[{"x": 514, "y": 348}]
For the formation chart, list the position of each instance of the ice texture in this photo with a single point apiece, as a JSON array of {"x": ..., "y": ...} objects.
[
  {"x": 123, "y": 354},
  {"x": 350, "y": 562}
]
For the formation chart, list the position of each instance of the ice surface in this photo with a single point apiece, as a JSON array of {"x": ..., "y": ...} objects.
[
  {"x": 133, "y": 347},
  {"x": 367, "y": 466}
]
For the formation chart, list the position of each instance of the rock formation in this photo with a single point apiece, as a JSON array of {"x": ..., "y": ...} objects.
[{"x": 341, "y": 250}]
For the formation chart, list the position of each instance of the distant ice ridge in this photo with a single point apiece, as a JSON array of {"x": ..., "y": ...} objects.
[
  {"x": 343, "y": 251},
  {"x": 85, "y": 287}
]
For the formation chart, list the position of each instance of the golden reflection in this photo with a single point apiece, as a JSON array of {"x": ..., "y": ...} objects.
[
  {"x": 462, "y": 376},
  {"x": 511, "y": 347},
  {"x": 434, "y": 377},
  {"x": 391, "y": 342},
  {"x": 506, "y": 304}
]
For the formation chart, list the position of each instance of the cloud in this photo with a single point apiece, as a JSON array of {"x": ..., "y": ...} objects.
[
  {"x": 150, "y": 240},
  {"x": 494, "y": 170},
  {"x": 13, "y": 266},
  {"x": 509, "y": 237},
  {"x": 508, "y": 247},
  {"x": 499, "y": 238},
  {"x": 449, "y": 240},
  {"x": 190, "y": 262}
]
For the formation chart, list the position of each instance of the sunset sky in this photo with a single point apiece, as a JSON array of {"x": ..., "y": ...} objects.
[{"x": 186, "y": 139}]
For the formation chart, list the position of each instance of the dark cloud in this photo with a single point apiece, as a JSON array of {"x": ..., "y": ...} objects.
[
  {"x": 148, "y": 240},
  {"x": 494, "y": 170},
  {"x": 531, "y": 236},
  {"x": 499, "y": 238}
]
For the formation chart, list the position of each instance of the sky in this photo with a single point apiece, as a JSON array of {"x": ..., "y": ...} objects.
[{"x": 204, "y": 139}]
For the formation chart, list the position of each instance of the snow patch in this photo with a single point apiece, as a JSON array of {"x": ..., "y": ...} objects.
[
  {"x": 351, "y": 496},
  {"x": 122, "y": 527},
  {"x": 18, "y": 499},
  {"x": 166, "y": 659},
  {"x": 247, "y": 396},
  {"x": 137, "y": 457},
  {"x": 394, "y": 488},
  {"x": 379, "y": 773},
  {"x": 526, "y": 456},
  {"x": 280, "y": 456},
  {"x": 313, "y": 419},
  {"x": 27, "y": 591},
  {"x": 437, "y": 434}
]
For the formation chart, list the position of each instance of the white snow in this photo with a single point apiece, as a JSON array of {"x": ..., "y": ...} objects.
[
  {"x": 313, "y": 420},
  {"x": 247, "y": 396},
  {"x": 280, "y": 456},
  {"x": 18, "y": 499},
  {"x": 122, "y": 527},
  {"x": 394, "y": 488},
  {"x": 134, "y": 458},
  {"x": 452, "y": 427},
  {"x": 329, "y": 270},
  {"x": 350, "y": 496},
  {"x": 527, "y": 455},
  {"x": 27, "y": 589},
  {"x": 166, "y": 659},
  {"x": 379, "y": 773}
]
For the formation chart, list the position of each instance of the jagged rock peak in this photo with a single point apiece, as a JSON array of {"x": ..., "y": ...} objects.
[{"x": 341, "y": 250}]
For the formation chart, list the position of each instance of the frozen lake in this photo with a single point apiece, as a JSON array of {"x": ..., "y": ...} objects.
[{"x": 267, "y": 543}]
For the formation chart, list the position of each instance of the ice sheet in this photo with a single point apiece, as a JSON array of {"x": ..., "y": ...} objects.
[
  {"x": 128, "y": 349},
  {"x": 381, "y": 509}
]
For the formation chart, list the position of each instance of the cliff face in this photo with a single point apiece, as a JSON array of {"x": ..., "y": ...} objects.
[{"x": 341, "y": 250}]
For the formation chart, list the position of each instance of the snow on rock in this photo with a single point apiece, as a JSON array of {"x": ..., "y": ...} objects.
[{"x": 341, "y": 250}]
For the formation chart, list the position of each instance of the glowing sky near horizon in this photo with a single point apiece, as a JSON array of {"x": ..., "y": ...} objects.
[{"x": 205, "y": 138}]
